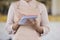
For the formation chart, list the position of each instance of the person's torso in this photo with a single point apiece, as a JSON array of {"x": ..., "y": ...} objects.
[{"x": 26, "y": 10}]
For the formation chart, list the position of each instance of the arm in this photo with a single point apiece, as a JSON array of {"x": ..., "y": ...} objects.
[
  {"x": 44, "y": 20},
  {"x": 10, "y": 20},
  {"x": 43, "y": 26}
]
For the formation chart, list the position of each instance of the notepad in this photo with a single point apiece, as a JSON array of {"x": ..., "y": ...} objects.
[{"x": 24, "y": 19}]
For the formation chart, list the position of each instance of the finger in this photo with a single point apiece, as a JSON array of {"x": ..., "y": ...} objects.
[
  {"x": 32, "y": 21},
  {"x": 29, "y": 21}
]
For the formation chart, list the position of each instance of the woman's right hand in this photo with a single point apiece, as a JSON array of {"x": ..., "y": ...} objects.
[{"x": 15, "y": 26}]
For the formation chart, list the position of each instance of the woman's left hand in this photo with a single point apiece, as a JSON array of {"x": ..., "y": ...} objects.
[{"x": 33, "y": 24}]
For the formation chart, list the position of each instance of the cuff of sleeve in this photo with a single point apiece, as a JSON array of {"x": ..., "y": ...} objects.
[
  {"x": 45, "y": 31},
  {"x": 11, "y": 30}
]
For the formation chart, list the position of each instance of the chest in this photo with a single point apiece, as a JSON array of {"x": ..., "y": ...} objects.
[{"x": 24, "y": 10}]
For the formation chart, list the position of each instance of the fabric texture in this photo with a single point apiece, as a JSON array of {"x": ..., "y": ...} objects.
[{"x": 26, "y": 32}]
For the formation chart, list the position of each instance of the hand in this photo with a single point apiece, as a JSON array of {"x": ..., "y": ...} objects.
[
  {"x": 31, "y": 22},
  {"x": 15, "y": 26}
]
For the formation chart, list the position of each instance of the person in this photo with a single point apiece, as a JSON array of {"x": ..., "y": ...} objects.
[{"x": 33, "y": 29}]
